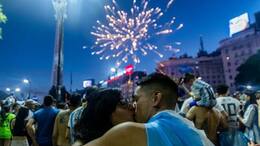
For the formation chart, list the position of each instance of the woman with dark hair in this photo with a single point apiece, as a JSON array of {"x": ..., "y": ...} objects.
[
  {"x": 105, "y": 109},
  {"x": 250, "y": 118},
  {"x": 19, "y": 127},
  {"x": 6, "y": 118}
]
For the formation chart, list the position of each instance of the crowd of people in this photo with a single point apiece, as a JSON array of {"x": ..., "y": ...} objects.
[{"x": 160, "y": 113}]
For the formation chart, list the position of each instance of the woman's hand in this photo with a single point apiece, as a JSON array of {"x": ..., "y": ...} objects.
[{"x": 252, "y": 144}]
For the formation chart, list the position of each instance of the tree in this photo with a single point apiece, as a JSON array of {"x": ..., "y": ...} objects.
[
  {"x": 3, "y": 19},
  {"x": 249, "y": 72}
]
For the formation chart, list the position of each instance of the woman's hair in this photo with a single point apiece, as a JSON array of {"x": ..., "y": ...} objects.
[
  {"x": 252, "y": 96},
  {"x": 4, "y": 110},
  {"x": 19, "y": 127},
  {"x": 96, "y": 117}
]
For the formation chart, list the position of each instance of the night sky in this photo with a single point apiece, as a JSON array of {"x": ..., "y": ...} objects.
[{"x": 26, "y": 50}]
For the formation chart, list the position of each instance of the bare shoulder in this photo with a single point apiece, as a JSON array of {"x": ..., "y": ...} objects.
[
  {"x": 125, "y": 134},
  {"x": 193, "y": 110}
]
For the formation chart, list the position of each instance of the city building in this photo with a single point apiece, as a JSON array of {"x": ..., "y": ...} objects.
[
  {"x": 209, "y": 67},
  {"x": 236, "y": 49},
  {"x": 219, "y": 67},
  {"x": 128, "y": 87},
  {"x": 124, "y": 80},
  {"x": 177, "y": 67},
  {"x": 211, "y": 70}
]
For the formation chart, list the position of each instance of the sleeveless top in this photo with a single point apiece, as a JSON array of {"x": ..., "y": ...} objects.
[
  {"x": 5, "y": 126},
  {"x": 166, "y": 128}
]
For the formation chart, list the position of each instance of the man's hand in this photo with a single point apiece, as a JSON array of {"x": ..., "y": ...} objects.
[
  {"x": 252, "y": 144},
  {"x": 31, "y": 131}
]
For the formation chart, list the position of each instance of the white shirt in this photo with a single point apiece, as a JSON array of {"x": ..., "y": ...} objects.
[{"x": 232, "y": 107}]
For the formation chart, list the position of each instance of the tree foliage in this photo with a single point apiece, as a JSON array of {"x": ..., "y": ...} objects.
[
  {"x": 3, "y": 19},
  {"x": 249, "y": 72}
]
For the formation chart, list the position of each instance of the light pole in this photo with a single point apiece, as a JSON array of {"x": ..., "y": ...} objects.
[
  {"x": 28, "y": 82},
  {"x": 60, "y": 7}
]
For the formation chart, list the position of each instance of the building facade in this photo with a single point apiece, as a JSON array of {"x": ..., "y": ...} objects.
[
  {"x": 177, "y": 67},
  {"x": 209, "y": 68},
  {"x": 126, "y": 83},
  {"x": 236, "y": 50}
]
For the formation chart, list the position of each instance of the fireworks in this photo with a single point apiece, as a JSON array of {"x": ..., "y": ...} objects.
[{"x": 127, "y": 36}]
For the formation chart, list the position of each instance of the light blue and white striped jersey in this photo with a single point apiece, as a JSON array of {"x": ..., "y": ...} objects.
[{"x": 167, "y": 128}]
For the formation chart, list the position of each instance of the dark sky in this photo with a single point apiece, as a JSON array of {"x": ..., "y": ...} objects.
[{"x": 26, "y": 50}]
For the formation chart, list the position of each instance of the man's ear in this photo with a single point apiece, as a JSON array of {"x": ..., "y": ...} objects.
[{"x": 157, "y": 98}]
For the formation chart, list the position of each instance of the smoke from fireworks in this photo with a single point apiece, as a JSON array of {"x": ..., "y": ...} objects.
[{"x": 129, "y": 35}]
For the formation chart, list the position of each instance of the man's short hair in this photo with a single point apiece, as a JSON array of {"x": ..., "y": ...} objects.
[
  {"x": 162, "y": 82},
  {"x": 75, "y": 100},
  {"x": 48, "y": 100},
  {"x": 188, "y": 77},
  {"x": 222, "y": 89}
]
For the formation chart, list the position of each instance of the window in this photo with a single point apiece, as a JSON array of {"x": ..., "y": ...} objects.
[
  {"x": 229, "y": 64},
  {"x": 237, "y": 62},
  {"x": 243, "y": 53},
  {"x": 230, "y": 77},
  {"x": 226, "y": 51},
  {"x": 236, "y": 55},
  {"x": 250, "y": 52},
  {"x": 249, "y": 45}
]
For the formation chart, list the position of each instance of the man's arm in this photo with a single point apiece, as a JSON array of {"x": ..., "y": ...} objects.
[
  {"x": 126, "y": 134},
  {"x": 223, "y": 122},
  {"x": 55, "y": 131},
  {"x": 191, "y": 114},
  {"x": 31, "y": 131}
]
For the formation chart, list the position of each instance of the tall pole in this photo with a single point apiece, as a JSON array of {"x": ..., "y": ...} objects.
[
  {"x": 60, "y": 7},
  {"x": 71, "y": 81}
]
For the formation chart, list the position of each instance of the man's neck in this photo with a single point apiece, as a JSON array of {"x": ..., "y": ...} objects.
[
  {"x": 223, "y": 95},
  {"x": 47, "y": 106}
]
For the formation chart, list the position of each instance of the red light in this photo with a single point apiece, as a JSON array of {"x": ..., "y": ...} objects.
[{"x": 129, "y": 69}]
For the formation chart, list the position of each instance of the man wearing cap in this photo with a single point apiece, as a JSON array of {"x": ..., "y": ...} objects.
[
  {"x": 61, "y": 122},
  {"x": 44, "y": 118}
]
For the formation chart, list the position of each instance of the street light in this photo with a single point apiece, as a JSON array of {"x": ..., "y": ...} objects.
[
  {"x": 28, "y": 82},
  {"x": 248, "y": 87},
  {"x": 113, "y": 70},
  {"x": 17, "y": 89},
  {"x": 8, "y": 89}
]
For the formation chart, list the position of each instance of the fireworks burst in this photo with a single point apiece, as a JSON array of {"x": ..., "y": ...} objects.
[{"x": 129, "y": 35}]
